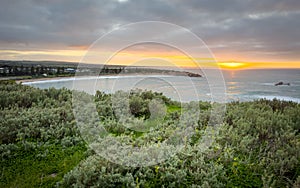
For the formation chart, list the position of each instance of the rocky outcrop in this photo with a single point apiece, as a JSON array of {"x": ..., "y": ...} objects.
[
  {"x": 193, "y": 74},
  {"x": 282, "y": 83}
]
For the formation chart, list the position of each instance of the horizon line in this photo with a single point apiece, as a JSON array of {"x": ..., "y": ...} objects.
[{"x": 242, "y": 65}]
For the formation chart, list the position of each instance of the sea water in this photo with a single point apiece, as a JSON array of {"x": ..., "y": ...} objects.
[{"x": 239, "y": 85}]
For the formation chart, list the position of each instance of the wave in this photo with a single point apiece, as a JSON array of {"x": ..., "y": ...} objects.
[
  {"x": 94, "y": 77},
  {"x": 284, "y": 98},
  {"x": 234, "y": 97},
  {"x": 294, "y": 83},
  {"x": 268, "y": 84}
]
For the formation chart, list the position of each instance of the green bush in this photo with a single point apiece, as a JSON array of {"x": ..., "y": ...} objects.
[{"x": 257, "y": 146}]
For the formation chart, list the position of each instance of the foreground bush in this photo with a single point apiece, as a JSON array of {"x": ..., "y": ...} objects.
[{"x": 257, "y": 145}]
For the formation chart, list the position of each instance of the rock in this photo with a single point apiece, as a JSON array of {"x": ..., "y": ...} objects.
[
  {"x": 193, "y": 74},
  {"x": 53, "y": 175},
  {"x": 282, "y": 83}
]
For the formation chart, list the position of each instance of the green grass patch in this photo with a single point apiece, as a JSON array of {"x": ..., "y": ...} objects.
[
  {"x": 31, "y": 170},
  {"x": 173, "y": 108}
]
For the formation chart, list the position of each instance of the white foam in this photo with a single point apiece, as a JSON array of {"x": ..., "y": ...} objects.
[
  {"x": 268, "y": 84},
  {"x": 95, "y": 77},
  {"x": 284, "y": 98}
]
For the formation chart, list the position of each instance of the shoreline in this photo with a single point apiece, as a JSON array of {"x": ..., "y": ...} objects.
[
  {"x": 20, "y": 81},
  {"x": 268, "y": 97},
  {"x": 42, "y": 79}
]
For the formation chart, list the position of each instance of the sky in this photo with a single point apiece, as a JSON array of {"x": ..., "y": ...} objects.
[{"x": 238, "y": 33}]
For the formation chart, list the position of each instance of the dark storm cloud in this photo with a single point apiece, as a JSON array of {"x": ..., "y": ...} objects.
[{"x": 239, "y": 25}]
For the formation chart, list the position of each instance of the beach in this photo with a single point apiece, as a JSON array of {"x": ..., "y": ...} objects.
[{"x": 42, "y": 79}]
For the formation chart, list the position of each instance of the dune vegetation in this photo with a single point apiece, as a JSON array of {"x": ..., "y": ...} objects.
[{"x": 257, "y": 145}]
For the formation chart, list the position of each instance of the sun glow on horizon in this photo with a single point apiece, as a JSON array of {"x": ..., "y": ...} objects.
[
  {"x": 232, "y": 65},
  {"x": 139, "y": 58}
]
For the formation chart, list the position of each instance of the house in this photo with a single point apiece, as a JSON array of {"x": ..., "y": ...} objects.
[{"x": 70, "y": 70}]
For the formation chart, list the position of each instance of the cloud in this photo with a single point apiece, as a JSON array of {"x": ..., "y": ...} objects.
[{"x": 264, "y": 28}]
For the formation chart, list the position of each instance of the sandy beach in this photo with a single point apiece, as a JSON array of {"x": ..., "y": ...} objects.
[
  {"x": 42, "y": 79},
  {"x": 123, "y": 74}
]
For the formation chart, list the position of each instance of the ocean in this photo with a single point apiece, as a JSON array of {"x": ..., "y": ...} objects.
[{"x": 239, "y": 85}]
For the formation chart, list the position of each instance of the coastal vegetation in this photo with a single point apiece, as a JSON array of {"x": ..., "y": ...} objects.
[{"x": 257, "y": 145}]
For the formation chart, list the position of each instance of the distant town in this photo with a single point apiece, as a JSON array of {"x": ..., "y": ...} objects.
[{"x": 18, "y": 70}]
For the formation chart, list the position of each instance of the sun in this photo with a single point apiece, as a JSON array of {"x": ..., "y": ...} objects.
[{"x": 232, "y": 65}]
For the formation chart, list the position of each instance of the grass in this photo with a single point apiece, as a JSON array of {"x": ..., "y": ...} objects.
[
  {"x": 33, "y": 171},
  {"x": 173, "y": 108}
]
